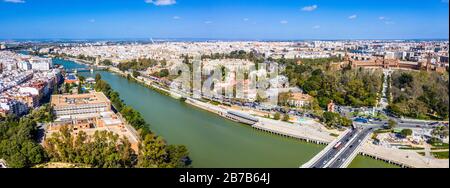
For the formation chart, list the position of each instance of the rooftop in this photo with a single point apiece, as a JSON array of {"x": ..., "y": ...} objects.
[{"x": 69, "y": 100}]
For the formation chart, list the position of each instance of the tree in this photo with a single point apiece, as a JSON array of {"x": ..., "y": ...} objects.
[
  {"x": 392, "y": 123},
  {"x": 332, "y": 119},
  {"x": 18, "y": 146},
  {"x": 82, "y": 79},
  {"x": 277, "y": 116},
  {"x": 153, "y": 152},
  {"x": 98, "y": 77},
  {"x": 106, "y": 62},
  {"x": 179, "y": 156},
  {"x": 406, "y": 132},
  {"x": 66, "y": 88},
  {"x": 286, "y": 117},
  {"x": 163, "y": 73},
  {"x": 346, "y": 122},
  {"x": 79, "y": 89},
  {"x": 422, "y": 95},
  {"x": 136, "y": 74},
  {"x": 104, "y": 149}
]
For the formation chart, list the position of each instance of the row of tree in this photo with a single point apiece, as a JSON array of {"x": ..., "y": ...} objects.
[{"x": 155, "y": 152}]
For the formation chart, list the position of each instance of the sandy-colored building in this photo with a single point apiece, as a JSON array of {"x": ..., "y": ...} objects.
[
  {"x": 89, "y": 113},
  {"x": 80, "y": 105}
]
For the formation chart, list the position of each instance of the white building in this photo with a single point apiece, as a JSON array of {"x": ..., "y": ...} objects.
[
  {"x": 15, "y": 107},
  {"x": 30, "y": 90},
  {"x": 24, "y": 66},
  {"x": 41, "y": 64}
]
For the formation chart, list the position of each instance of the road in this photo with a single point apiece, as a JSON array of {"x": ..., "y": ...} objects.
[
  {"x": 327, "y": 157},
  {"x": 404, "y": 123},
  {"x": 351, "y": 146},
  {"x": 335, "y": 157}
]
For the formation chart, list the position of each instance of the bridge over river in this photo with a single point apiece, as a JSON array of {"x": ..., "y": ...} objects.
[{"x": 341, "y": 152}]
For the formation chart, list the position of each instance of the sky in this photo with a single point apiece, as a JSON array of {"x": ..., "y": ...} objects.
[{"x": 224, "y": 19}]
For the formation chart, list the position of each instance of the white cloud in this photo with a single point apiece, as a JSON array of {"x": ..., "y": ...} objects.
[
  {"x": 310, "y": 8},
  {"x": 14, "y": 1},
  {"x": 208, "y": 22},
  {"x": 246, "y": 19},
  {"x": 284, "y": 22},
  {"x": 92, "y": 20},
  {"x": 176, "y": 17},
  {"x": 386, "y": 20},
  {"x": 352, "y": 17},
  {"x": 316, "y": 27},
  {"x": 161, "y": 2}
]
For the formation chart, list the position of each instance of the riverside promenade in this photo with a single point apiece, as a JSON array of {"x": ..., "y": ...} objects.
[{"x": 292, "y": 130}]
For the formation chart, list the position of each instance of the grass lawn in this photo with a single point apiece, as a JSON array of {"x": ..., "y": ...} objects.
[
  {"x": 440, "y": 145},
  {"x": 440, "y": 155},
  {"x": 334, "y": 135}
]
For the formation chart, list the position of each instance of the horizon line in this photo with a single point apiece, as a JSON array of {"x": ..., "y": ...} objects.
[{"x": 213, "y": 39}]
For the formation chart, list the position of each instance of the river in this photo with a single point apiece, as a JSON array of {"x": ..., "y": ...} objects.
[{"x": 212, "y": 141}]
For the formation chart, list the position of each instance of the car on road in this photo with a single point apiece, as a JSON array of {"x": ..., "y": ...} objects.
[
  {"x": 434, "y": 123},
  {"x": 338, "y": 145},
  {"x": 361, "y": 120}
]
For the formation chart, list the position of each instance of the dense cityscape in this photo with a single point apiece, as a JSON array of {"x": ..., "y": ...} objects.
[
  {"x": 224, "y": 103},
  {"x": 387, "y": 111}
]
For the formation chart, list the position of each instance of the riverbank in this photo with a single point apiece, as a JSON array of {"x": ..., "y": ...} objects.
[
  {"x": 317, "y": 135},
  {"x": 212, "y": 140}
]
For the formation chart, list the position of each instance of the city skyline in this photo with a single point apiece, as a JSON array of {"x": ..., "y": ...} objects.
[{"x": 262, "y": 20}]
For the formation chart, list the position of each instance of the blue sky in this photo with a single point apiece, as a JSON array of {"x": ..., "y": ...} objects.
[{"x": 225, "y": 19}]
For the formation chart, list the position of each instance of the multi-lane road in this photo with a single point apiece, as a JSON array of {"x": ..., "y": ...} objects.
[
  {"x": 405, "y": 123},
  {"x": 336, "y": 156},
  {"x": 348, "y": 149},
  {"x": 326, "y": 158}
]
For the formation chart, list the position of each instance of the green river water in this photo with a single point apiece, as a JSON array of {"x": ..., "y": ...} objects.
[{"x": 212, "y": 141}]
